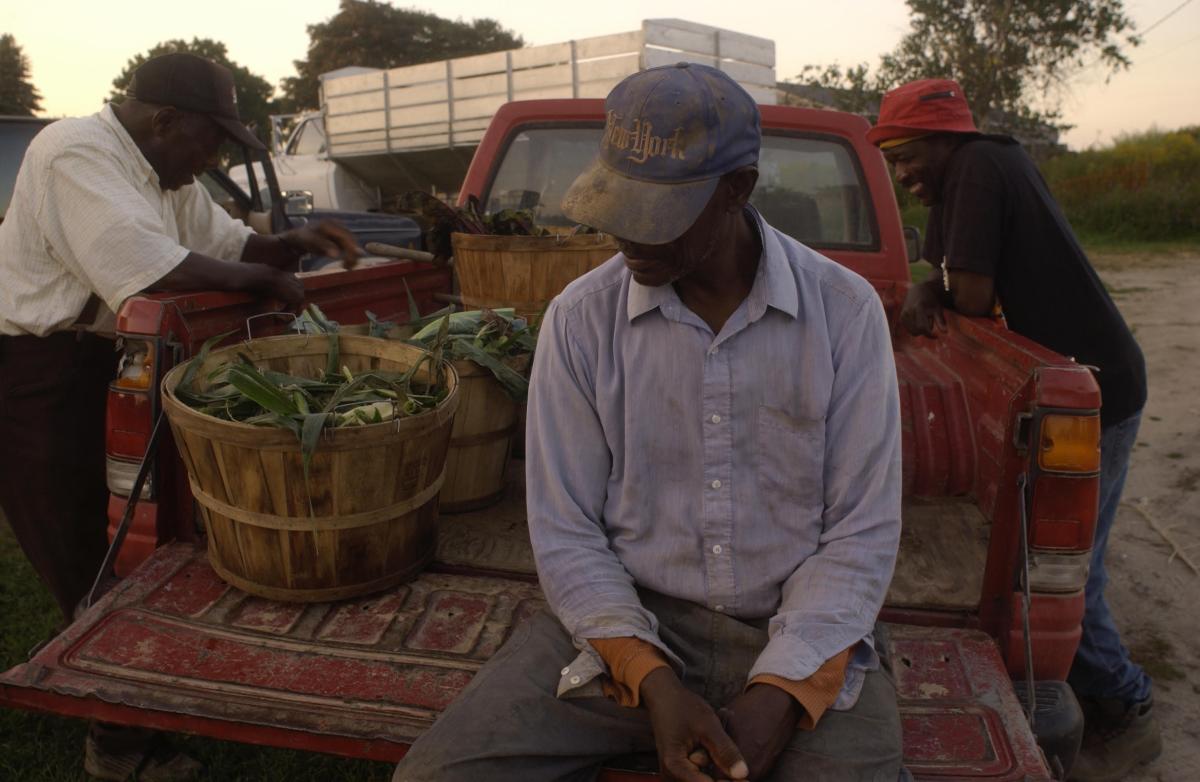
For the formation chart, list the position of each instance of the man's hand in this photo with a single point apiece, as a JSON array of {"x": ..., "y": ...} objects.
[
  {"x": 761, "y": 721},
  {"x": 327, "y": 237},
  {"x": 687, "y": 730},
  {"x": 922, "y": 310},
  {"x": 275, "y": 284}
]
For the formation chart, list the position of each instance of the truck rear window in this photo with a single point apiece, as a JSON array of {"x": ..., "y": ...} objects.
[{"x": 809, "y": 187}]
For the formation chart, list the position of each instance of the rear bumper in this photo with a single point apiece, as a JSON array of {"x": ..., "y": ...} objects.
[{"x": 1057, "y": 722}]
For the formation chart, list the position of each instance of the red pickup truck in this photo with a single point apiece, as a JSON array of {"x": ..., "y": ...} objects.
[{"x": 1000, "y": 496}]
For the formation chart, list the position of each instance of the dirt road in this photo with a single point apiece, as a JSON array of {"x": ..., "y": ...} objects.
[{"x": 1155, "y": 595}]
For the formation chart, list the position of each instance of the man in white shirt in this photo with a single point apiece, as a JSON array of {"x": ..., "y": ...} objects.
[{"x": 105, "y": 207}]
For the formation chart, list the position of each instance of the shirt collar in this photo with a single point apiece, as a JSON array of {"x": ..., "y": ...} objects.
[
  {"x": 774, "y": 284},
  {"x": 133, "y": 154}
]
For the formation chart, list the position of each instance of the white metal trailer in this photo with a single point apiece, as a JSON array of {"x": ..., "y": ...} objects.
[{"x": 417, "y": 126}]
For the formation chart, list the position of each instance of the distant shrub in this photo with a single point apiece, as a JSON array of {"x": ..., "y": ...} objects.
[{"x": 1145, "y": 187}]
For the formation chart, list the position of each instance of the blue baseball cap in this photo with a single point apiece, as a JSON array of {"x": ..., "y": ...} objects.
[{"x": 670, "y": 134}]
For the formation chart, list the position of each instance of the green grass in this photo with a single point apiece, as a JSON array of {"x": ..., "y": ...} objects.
[
  {"x": 1101, "y": 244},
  {"x": 46, "y": 748}
]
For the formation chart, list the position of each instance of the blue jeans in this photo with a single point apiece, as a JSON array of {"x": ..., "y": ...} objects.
[{"x": 1102, "y": 668}]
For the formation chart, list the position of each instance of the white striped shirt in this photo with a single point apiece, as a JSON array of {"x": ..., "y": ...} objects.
[{"x": 88, "y": 216}]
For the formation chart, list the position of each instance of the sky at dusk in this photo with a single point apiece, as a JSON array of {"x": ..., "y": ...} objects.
[{"x": 75, "y": 49}]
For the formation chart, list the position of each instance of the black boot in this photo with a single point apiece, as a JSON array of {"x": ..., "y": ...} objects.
[{"x": 1117, "y": 737}]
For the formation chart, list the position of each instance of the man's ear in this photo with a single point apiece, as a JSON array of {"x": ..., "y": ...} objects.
[
  {"x": 166, "y": 121},
  {"x": 741, "y": 184}
]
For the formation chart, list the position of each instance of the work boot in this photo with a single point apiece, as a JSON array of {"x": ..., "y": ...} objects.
[
  {"x": 1117, "y": 737},
  {"x": 115, "y": 753}
]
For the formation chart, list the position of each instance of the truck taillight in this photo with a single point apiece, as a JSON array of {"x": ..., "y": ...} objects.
[
  {"x": 129, "y": 416},
  {"x": 1063, "y": 501},
  {"x": 1063, "y": 512},
  {"x": 1059, "y": 573},
  {"x": 120, "y": 475},
  {"x": 1069, "y": 443},
  {"x": 136, "y": 369}
]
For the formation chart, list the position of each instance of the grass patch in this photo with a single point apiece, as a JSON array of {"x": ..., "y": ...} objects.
[
  {"x": 47, "y": 748},
  {"x": 1099, "y": 244}
]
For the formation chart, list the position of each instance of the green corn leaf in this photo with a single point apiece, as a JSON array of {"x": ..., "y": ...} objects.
[
  {"x": 334, "y": 358},
  {"x": 414, "y": 312},
  {"x": 326, "y": 325},
  {"x": 250, "y": 382},
  {"x": 513, "y": 381},
  {"x": 310, "y": 436},
  {"x": 379, "y": 328},
  {"x": 189, "y": 374}
]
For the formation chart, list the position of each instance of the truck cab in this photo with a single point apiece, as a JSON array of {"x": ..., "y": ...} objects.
[{"x": 1000, "y": 466}]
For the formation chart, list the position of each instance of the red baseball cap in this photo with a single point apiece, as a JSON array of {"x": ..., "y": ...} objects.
[{"x": 920, "y": 108}]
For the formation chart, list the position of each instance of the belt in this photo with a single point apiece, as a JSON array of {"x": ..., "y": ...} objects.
[
  {"x": 77, "y": 331},
  {"x": 87, "y": 316}
]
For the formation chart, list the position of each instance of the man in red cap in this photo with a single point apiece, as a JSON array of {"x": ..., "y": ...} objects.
[
  {"x": 105, "y": 207},
  {"x": 999, "y": 239}
]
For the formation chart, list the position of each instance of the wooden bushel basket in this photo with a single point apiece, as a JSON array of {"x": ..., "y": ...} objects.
[
  {"x": 523, "y": 272},
  {"x": 373, "y": 519},
  {"x": 480, "y": 442}
]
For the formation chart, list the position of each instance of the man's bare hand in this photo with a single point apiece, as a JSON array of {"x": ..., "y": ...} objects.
[
  {"x": 326, "y": 237},
  {"x": 686, "y": 729},
  {"x": 761, "y": 721},
  {"x": 922, "y": 311},
  {"x": 271, "y": 283}
]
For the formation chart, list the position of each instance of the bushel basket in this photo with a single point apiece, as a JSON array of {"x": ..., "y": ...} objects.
[
  {"x": 372, "y": 522},
  {"x": 523, "y": 272}
]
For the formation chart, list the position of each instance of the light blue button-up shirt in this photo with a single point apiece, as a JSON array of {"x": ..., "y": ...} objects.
[{"x": 755, "y": 471}]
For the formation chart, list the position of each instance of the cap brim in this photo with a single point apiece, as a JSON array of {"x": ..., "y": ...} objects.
[
  {"x": 633, "y": 209},
  {"x": 239, "y": 132},
  {"x": 885, "y": 132}
]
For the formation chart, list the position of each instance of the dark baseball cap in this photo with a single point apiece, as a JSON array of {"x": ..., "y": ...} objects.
[
  {"x": 194, "y": 84},
  {"x": 670, "y": 134},
  {"x": 919, "y": 108}
]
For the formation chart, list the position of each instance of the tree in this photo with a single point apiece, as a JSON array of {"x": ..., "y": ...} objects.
[
  {"x": 1013, "y": 58},
  {"x": 376, "y": 35},
  {"x": 17, "y": 93},
  {"x": 254, "y": 93}
]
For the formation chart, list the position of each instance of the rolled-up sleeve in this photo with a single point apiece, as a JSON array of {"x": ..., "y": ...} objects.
[
  {"x": 568, "y": 465},
  {"x": 830, "y": 602}
]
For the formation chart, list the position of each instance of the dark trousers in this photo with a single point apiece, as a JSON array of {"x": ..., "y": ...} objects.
[
  {"x": 509, "y": 726},
  {"x": 52, "y": 484}
]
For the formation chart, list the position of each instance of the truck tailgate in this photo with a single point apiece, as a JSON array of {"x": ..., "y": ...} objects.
[{"x": 173, "y": 647}]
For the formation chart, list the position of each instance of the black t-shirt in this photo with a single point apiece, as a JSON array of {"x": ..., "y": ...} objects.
[{"x": 996, "y": 217}]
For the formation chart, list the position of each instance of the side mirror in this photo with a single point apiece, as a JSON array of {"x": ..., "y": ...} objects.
[
  {"x": 298, "y": 202},
  {"x": 912, "y": 243}
]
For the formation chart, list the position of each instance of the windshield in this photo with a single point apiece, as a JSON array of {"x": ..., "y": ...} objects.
[
  {"x": 308, "y": 140},
  {"x": 809, "y": 187}
]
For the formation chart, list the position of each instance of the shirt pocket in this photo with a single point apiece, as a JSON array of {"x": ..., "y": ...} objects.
[{"x": 790, "y": 456}]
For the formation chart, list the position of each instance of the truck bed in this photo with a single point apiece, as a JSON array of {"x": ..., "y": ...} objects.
[{"x": 174, "y": 647}]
